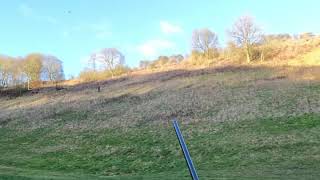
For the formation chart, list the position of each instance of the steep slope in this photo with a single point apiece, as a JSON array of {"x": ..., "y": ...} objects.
[{"x": 255, "y": 121}]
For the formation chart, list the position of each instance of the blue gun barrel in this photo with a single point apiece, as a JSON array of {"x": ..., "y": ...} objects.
[{"x": 185, "y": 151}]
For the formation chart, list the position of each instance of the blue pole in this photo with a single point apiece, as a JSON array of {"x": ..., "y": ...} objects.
[{"x": 184, "y": 148}]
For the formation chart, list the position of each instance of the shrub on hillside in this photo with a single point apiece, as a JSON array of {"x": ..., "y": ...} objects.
[
  {"x": 284, "y": 47},
  {"x": 118, "y": 71},
  {"x": 200, "y": 58},
  {"x": 162, "y": 62},
  {"x": 90, "y": 75}
]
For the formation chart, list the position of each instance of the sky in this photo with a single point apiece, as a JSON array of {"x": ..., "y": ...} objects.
[{"x": 141, "y": 29}]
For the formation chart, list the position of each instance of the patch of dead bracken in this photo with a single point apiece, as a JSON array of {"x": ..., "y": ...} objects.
[{"x": 212, "y": 94}]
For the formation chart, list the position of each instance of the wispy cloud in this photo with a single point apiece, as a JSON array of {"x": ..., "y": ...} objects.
[
  {"x": 100, "y": 30},
  {"x": 65, "y": 34},
  {"x": 28, "y": 12},
  {"x": 153, "y": 47},
  {"x": 169, "y": 28},
  {"x": 25, "y": 10}
]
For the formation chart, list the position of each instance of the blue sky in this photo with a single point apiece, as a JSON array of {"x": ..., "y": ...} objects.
[{"x": 141, "y": 29}]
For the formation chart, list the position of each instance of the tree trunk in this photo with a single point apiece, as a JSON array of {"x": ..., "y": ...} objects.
[
  {"x": 28, "y": 84},
  {"x": 262, "y": 56},
  {"x": 248, "y": 53},
  {"x": 111, "y": 73}
]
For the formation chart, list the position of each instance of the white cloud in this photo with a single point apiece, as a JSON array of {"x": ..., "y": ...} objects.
[
  {"x": 153, "y": 47},
  {"x": 169, "y": 28},
  {"x": 65, "y": 34},
  {"x": 100, "y": 30},
  {"x": 27, "y": 11}
]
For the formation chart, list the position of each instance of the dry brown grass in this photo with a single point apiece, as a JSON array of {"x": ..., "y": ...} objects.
[{"x": 223, "y": 93}]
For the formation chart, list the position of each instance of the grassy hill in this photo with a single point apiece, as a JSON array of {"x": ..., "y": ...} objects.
[{"x": 240, "y": 122}]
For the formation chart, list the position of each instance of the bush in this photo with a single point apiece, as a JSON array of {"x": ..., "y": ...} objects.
[
  {"x": 234, "y": 53},
  {"x": 14, "y": 91},
  {"x": 89, "y": 75},
  {"x": 199, "y": 58},
  {"x": 162, "y": 62},
  {"x": 118, "y": 71}
]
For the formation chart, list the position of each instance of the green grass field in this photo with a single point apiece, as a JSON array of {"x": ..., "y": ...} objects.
[{"x": 239, "y": 124}]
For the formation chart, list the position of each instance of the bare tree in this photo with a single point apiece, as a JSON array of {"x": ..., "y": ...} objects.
[
  {"x": 144, "y": 64},
  {"x": 205, "y": 41},
  {"x": 92, "y": 62},
  {"x": 176, "y": 59},
  {"x": 246, "y": 33},
  {"x": 52, "y": 68},
  {"x": 32, "y": 67},
  {"x": 16, "y": 72},
  {"x": 4, "y": 71},
  {"x": 11, "y": 72},
  {"x": 110, "y": 58}
]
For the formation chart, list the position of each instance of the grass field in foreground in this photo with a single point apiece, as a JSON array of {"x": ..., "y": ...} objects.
[
  {"x": 240, "y": 122},
  {"x": 285, "y": 148}
]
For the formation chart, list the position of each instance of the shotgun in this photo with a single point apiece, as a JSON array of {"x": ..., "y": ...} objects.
[{"x": 185, "y": 151}]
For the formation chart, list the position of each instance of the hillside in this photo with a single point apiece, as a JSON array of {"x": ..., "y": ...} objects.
[{"x": 259, "y": 121}]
